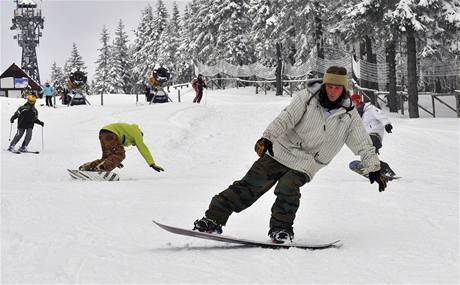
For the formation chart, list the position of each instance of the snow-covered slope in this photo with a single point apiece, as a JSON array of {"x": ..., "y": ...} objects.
[{"x": 55, "y": 230}]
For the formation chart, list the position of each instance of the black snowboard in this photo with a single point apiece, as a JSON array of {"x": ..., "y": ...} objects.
[
  {"x": 357, "y": 167},
  {"x": 247, "y": 242}
]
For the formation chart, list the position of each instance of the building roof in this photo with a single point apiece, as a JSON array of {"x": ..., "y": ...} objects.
[{"x": 17, "y": 72}]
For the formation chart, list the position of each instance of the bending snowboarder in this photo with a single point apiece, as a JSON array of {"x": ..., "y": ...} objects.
[
  {"x": 304, "y": 138},
  {"x": 113, "y": 138}
]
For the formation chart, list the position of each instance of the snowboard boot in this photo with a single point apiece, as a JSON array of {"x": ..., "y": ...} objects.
[
  {"x": 207, "y": 225},
  {"x": 279, "y": 235}
]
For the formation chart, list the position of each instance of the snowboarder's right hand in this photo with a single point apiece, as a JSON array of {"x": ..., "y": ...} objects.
[
  {"x": 41, "y": 123},
  {"x": 377, "y": 176},
  {"x": 11, "y": 120},
  {"x": 157, "y": 168},
  {"x": 262, "y": 145}
]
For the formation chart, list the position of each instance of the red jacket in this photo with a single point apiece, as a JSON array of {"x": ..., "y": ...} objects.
[{"x": 196, "y": 86}]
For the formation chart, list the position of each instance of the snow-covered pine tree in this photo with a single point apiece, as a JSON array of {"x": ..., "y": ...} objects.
[
  {"x": 169, "y": 43},
  {"x": 203, "y": 30},
  {"x": 184, "y": 61},
  {"x": 75, "y": 61},
  {"x": 57, "y": 77},
  {"x": 158, "y": 27},
  {"x": 233, "y": 41},
  {"x": 141, "y": 49},
  {"x": 102, "y": 83},
  {"x": 121, "y": 63},
  {"x": 425, "y": 21}
]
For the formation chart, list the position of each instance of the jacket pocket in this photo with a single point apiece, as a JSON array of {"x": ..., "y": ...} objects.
[{"x": 294, "y": 138}]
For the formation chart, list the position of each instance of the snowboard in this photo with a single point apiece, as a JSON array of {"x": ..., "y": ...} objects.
[
  {"x": 357, "y": 167},
  {"x": 247, "y": 242},
  {"x": 93, "y": 175}
]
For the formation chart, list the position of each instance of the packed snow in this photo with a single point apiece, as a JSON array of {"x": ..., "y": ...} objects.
[{"x": 57, "y": 230}]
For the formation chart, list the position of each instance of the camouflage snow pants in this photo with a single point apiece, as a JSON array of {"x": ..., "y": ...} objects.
[
  {"x": 113, "y": 153},
  {"x": 262, "y": 176}
]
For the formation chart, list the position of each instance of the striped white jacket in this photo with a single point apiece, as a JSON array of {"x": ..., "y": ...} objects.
[{"x": 304, "y": 140}]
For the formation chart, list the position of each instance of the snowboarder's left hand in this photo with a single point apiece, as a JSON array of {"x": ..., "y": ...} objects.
[
  {"x": 377, "y": 176},
  {"x": 388, "y": 128},
  {"x": 157, "y": 168}
]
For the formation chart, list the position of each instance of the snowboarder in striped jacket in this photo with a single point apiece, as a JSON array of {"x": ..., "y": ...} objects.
[{"x": 304, "y": 138}]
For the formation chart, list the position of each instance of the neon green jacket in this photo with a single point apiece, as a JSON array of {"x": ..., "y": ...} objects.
[{"x": 130, "y": 134}]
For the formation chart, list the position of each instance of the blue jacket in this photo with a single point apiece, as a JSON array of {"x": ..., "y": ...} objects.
[{"x": 48, "y": 90}]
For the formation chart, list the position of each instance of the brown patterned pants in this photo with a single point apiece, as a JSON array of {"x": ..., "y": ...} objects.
[{"x": 113, "y": 153}]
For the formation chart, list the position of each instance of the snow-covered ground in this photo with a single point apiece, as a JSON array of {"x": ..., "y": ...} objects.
[{"x": 55, "y": 230}]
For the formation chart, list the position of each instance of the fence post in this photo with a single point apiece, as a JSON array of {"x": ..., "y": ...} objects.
[
  {"x": 178, "y": 95},
  {"x": 457, "y": 101},
  {"x": 432, "y": 103},
  {"x": 401, "y": 100}
]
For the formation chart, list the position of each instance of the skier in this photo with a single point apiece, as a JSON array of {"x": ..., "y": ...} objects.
[
  {"x": 304, "y": 138},
  {"x": 48, "y": 92},
  {"x": 113, "y": 138},
  {"x": 198, "y": 84},
  {"x": 27, "y": 116},
  {"x": 376, "y": 122}
]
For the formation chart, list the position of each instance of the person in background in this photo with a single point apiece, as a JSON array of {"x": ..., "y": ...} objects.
[
  {"x": 48, "y": 92},
  {"x": 304, "y": 138},
  {"x": 376, "y": 123},
  {"x": 114, "y": 138},
  {"x": 27, "y": 116},
  {"x": 198, "y": 84}
]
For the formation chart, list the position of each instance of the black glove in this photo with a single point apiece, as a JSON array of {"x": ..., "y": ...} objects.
[
  {"x": 262, "y": 145},
  {"x": 11, "y": 120},
  {"x": 41, "y": 123},
  {"x": 388, "y": 128},
  {"x": 157, "y": 168},
  {"x": 377, "y": 176}
]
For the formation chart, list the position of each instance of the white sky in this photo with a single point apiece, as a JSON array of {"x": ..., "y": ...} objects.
[{"x": 68, "y": 21}]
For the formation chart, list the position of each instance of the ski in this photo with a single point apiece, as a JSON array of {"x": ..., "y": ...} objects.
[
  {"x": 247, "y": 242},
  {"x": 13, "y": 151},
  {"x": 30, "y": 151}
]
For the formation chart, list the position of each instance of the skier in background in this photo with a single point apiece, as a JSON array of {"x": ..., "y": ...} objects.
[
  {"x": 27, "y": 116},
  {"x": 304, "y": 138},
  {"x": 114, "y": 138},
  {"x": 376, "y": 123},
  {"x": 48, "y": 92},
  {"x": 198, "y": 84}
]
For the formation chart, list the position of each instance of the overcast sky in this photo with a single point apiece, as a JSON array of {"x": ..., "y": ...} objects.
[{"x": 68, "y": 21}]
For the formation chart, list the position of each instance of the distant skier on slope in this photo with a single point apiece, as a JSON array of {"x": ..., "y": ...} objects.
[
  {"x": 304, "y": 138},
  {"x": 376, "y": 122},
  {"x": 198, "y": 84},
  {"x": 27, "y": 116},
  {"x": 113, "y": 138}
]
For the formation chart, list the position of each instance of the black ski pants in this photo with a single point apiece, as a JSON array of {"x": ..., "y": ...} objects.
[
  {"x": 49, "y": 101},
  {"x": 261, "y": 177}
]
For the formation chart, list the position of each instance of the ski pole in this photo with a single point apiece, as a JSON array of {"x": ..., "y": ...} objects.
[
  {"x": 206, "y": 96},
  {"x": 43, "y": 146},
  {"x": 11, "y": 128}
]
